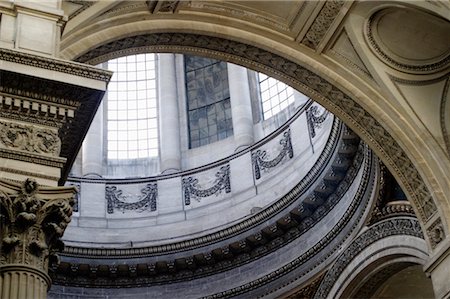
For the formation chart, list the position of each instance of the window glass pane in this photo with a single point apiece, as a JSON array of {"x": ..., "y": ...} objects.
[
  {"x": 131, "y": 92},
  {"x": 207, "y": 100},
  {"x": 275, "y": 96}
]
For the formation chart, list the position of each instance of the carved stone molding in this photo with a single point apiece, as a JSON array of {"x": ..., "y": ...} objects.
[
  {"x": 53, "y": 64},
  {"x": 29, "y": 138},
  {"x": 32, "y": 222},
  {"x": 392, "y": 227},
  {"x": 322, "y": 23},
  {"x": 30, "y": 98},
  {"x": 312, "y": 85}
]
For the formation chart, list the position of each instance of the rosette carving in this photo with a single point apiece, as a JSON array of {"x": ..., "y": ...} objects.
[{"x": 31, "y": 227}]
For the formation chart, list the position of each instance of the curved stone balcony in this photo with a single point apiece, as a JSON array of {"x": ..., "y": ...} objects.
[{"x": 119, "y": 212}]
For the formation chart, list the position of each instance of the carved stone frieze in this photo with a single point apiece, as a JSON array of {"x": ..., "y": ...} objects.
[
  {"x": 49, "y": 102},
  {"x": 240, "y": 13},
  {"x": 31, "y": 226},
  {"x": 260, "y": 162},
  {"x": 322, "y": 23},
  {"x": 145, "y": 202},
  {"x": 53, "y": 64},
  {"x": 29, "y": 138},
  {"x": 313, "y": 86},
  {"x": 192, "y": 189}
]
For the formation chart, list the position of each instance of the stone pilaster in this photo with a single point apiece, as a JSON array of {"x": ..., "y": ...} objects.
[
  {"x": 32, "y": 221},
  {"x": 92, "y": 157},
  {"x": 169, "y": 125},
  {"x": 241, "y": 106}
]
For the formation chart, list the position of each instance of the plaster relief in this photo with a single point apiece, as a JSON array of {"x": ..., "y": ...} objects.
[{"x": 410, "y": 40}]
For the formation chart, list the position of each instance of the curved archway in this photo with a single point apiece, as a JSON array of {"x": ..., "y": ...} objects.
[{"x": 398, "y": 141}]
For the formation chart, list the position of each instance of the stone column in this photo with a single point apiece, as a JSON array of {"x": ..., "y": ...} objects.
[
  {"x": 241, "y": 106},
  {"x": 92, "y": 152},
  {"x": 438, "y": 267},
  {"x": 32, "y": 221},
  {"x": 169, "y": 121}
]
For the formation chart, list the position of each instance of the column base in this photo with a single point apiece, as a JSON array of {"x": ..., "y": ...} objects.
[{"x": 23, "y": 282}]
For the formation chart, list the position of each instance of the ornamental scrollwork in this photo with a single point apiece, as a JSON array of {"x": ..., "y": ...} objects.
[
  {"x": 29, "y": 138},
  {"x": 116, "y": 200},
  {"x": 315, "y": 118},
  {"x": 259, "y": 161},
  {"x": 192, "y": 189},
  {"x": 31, "y": 227}
]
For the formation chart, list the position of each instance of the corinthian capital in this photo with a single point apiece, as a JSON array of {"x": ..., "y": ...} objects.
[{"x": 32, "y": 221}]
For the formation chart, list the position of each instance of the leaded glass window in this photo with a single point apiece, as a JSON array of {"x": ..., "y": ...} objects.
[{"x": 208, "y": 100}]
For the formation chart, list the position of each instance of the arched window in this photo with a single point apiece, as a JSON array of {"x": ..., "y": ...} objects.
[
  {"x": 132, "y": 118},
  {"x": 275, "y": 96}
]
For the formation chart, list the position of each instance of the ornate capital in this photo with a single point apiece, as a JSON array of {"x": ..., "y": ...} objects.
[{"x": 32, "y": 221}]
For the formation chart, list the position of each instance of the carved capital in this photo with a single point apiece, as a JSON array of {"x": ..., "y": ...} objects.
[{"x": 32, "y": 221}]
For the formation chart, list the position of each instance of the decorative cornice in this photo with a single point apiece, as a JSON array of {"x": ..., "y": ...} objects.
[
  {"x": 56, "y": 65},
  {"x": 32, "y": 158},
  {"x": 312, "y": 85},
  {"x": 29, "y": 174}
]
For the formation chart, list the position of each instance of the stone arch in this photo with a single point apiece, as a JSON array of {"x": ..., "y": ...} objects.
[
  {"x": 355, "y": 104},
  {"x": 369, "y": 256}
]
